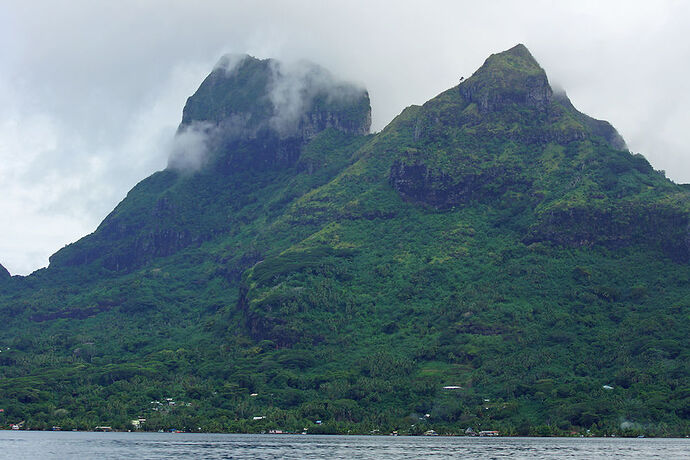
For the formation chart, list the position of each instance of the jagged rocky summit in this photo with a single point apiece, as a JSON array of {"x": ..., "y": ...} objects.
[
  {"x": 515, "y": 77},
  {"x": 506, "y": 103},
  {"x": 272, "y": 108}
]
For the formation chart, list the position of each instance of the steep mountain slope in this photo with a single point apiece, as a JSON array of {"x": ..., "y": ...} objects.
[
  {"x": 4, "y": 273},
  {"x": 242, "y": 134},
  {"x": 493, "y": 258}
]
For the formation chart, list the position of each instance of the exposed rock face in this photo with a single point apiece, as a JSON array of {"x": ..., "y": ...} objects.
[
  {"x": 155, "y": 242},
  {"x": 143, "y": 226},
  {"x": 4, "y": 273},
  {"x": 271, "y": 109},
  {"x": 417, "y": 183},
  {"x": 664, "y": 227},
  {"x": 511, "y": 77},
  {"x": 597, "y": 127}
]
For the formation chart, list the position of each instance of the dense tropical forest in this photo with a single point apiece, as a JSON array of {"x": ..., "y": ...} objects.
[{"x": 493, "y": 259}]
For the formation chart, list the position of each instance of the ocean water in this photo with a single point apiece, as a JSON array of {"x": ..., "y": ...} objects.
[{"x": 80, "y": 445}]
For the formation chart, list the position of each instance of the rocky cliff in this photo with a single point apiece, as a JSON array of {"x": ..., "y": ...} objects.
[
  {"x": 510, "y": 77},
  {"x": 659, "y": 225},
  {"x": 259, "y": 113}
]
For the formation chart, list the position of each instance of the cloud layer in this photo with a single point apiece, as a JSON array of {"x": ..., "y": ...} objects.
[{"x": 91, "y": 93}]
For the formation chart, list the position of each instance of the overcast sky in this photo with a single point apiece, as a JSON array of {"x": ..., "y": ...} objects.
[{"x": 91, "y": 92}]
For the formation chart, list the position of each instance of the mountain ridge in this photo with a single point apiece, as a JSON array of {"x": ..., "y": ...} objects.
[
  {"x": 514, "y": 68},
  {"x": 493, "y": 240}
]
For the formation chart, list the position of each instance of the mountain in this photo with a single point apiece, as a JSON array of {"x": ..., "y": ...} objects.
[
  {"x": 491, "y": 259},
  {"x": 4, "y": 273},
  {"x": 504, "y": 136},
  {"x": 265, "y": 116}
]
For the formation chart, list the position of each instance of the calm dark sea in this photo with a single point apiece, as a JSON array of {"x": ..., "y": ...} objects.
[{"x": 67, "y": 445}]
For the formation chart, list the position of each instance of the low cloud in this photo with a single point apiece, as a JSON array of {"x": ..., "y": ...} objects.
[
  {"x": 292, "y": 89},
  {"x": 229, "y": 62},
  {"x": 189, "y": 149},
  {"x": 294, "y": 86}
]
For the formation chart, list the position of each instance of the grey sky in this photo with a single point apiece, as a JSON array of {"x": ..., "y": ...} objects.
[{"x": 91, "y": 92}]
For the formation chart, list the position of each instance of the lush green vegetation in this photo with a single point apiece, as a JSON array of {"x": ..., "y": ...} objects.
[{"x": 513, "y": 254}]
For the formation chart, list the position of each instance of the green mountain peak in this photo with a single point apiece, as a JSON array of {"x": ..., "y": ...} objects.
[
  {"x": 512, "y": 81},
  {"x": 513, "y": 76},
  {"x": 249, "y": 94},
  {"x": 4, "y": 273},
  {"x": 517, "y": 59},
  {"x": 271, "y": 107},
  {"x": 518, "y": 50},
  {"x": 502, "y": 137}
]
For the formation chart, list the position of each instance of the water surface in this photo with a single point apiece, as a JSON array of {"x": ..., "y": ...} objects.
[{"x": 48, "y": 445}]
